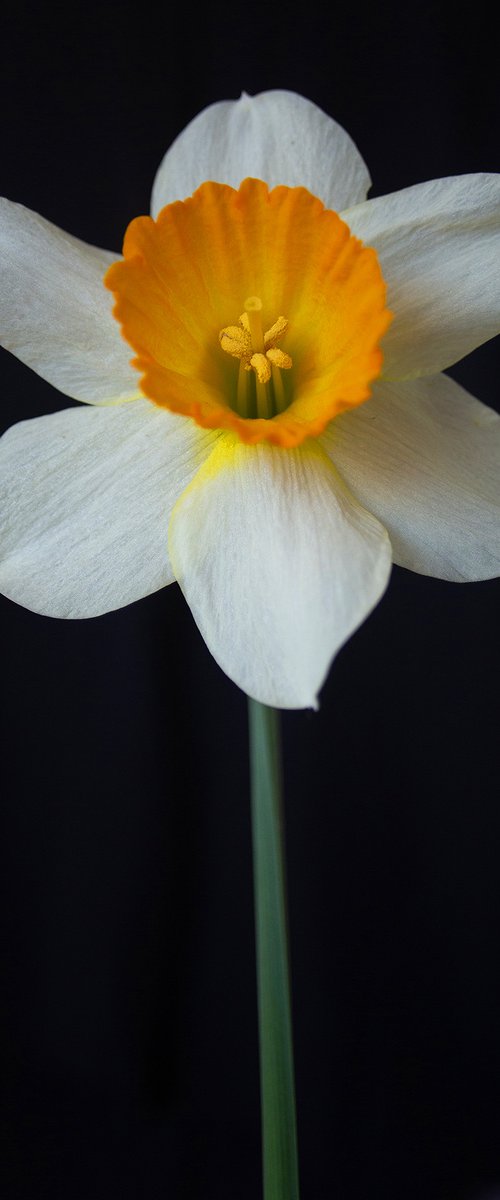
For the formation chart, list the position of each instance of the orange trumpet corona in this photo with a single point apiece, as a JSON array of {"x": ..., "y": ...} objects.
[{"x": 205, "y": 292}]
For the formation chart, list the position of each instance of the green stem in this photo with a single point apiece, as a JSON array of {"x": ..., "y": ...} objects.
[{"x": 279, "y": 1133}]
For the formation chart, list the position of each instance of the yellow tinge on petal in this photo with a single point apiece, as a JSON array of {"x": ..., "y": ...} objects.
[{"x": 206, "y": 292}]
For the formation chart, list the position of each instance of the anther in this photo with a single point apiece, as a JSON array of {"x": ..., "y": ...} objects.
[{"x": 261, "y": 367}]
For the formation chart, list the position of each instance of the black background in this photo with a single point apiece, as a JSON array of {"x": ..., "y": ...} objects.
[{"x": 128, "y": 1004}]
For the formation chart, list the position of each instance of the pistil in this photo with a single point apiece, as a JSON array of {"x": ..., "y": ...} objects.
[{"x": 253, "y": 309}]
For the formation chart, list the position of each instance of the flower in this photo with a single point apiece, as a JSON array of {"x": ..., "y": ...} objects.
[{"x": 275, "y": 424}]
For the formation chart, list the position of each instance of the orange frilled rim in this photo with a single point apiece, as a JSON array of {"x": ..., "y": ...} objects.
[{"x": 185, "y": 276}]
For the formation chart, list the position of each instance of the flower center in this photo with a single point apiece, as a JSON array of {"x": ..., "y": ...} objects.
[
  {"x": 182, "y": 280},
  {"x": 261, "y": 362}
]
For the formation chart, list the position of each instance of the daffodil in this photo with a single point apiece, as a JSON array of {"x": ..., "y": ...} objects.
[{"x": 268, "y": 422}]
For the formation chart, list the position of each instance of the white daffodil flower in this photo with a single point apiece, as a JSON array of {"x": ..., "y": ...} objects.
[{"x": 280, "y": 435}]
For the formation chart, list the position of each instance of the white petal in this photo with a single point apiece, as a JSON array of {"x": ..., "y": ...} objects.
[
  {"x": 424, "y": 456},
  {"x": 87, "y": 499},
  {"x": 279, "y": 565},
  {"x": 55, "y": 313},
  {"x": 277, "y": 136},
  {"x": 439, "y": 249}
]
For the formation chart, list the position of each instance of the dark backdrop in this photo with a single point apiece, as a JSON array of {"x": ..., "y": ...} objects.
[{"x": 129, "y": 1022}]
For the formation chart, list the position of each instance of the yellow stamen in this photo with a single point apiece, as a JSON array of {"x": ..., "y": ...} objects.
[
  {"x": 275, "y": 332},
  {"x": 279, "y": 358},
  {"x": 261, "y": 367},
  {"x": 243, "y": 391},
  {"x": 264, "y": 406},
  {"x": 235, "y": 340},
  {"x": 257, "y": 351},
  {"x": 279, "y": 391}
]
